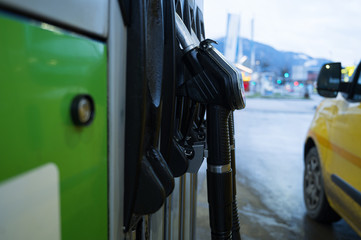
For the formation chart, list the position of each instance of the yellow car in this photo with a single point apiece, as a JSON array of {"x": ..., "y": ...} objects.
[{"x": 332, "y": 153}]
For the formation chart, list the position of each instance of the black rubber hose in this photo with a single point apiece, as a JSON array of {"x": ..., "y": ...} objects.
[
  {"x": 219, "y": 172},
  {"x": 236, "y": 235}
]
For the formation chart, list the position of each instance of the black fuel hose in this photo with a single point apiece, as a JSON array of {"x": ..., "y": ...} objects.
[
  {"x": 236, "y": 235},
  {"x": 219, "y": 172}
]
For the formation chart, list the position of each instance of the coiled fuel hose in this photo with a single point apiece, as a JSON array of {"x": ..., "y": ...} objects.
[
  {"x": 235, "y": 220},
  {"x": 219, "y": 172}
]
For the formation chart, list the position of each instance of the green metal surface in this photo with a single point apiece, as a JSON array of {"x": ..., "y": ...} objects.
[{"x": 41, "y": 70}]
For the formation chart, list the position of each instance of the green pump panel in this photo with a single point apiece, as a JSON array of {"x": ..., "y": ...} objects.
[{"x": 53, "y": 173}]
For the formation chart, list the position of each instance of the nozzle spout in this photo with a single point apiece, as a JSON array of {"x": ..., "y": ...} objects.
[{"x": 183, "y": 35}]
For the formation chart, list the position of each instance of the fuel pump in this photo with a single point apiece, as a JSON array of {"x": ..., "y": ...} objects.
[{"x": 217, "y": 84}]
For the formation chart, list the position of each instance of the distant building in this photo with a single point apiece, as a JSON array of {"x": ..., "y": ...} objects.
[
  {"x": 267, "y": 80},
  {"x": 233, "y": 29},
  {"x": 306, "y": 72}
]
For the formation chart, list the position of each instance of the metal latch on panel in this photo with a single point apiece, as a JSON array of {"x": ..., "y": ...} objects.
[
  {"x": 197, "y": 160},
  {"x": 82, "y": 110}
]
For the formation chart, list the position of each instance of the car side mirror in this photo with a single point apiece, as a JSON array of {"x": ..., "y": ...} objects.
[
  {"x": 329, "y": 79},
  {"x": 357, "y": 84}
]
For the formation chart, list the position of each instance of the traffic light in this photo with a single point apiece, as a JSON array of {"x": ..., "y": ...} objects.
[{"x": 286, "y": 74}]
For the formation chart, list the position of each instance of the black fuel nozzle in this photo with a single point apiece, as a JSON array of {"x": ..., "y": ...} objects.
[
  {"x": 218, "y": 84},
  {"x": 215, "y": 80}
]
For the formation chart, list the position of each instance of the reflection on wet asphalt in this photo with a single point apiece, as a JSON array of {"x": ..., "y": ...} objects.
[{"x": 270, "y": 135}]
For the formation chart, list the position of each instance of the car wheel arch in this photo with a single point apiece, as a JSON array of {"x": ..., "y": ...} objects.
[{"x": 310, "y": 143}]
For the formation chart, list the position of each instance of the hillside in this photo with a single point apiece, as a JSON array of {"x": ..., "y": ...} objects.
[{"x": 272, "y": 60}]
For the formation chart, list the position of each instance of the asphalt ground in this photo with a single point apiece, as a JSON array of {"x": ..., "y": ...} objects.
[{"x": 270, "y": 134}]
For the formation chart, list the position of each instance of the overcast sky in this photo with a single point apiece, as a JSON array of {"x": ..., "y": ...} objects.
[{"x": 320, "y": 28}]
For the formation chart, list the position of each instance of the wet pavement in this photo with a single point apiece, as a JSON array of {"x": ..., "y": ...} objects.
[{"x": 270, "y": 134}]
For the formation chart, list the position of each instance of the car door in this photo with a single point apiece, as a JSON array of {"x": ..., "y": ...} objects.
[{"x": 345, "y": 159}]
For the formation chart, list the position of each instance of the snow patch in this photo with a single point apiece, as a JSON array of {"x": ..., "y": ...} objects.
[{"x": 310, "y": 63}]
